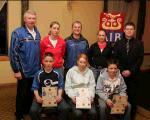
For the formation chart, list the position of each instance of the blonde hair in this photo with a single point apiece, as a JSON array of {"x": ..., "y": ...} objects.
[
  {"x": 78, "y": 22},
  {"x": 32, "y": 12}
]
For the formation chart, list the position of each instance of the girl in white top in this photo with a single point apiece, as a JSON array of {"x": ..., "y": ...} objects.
[{"x": 80, "y": 76}]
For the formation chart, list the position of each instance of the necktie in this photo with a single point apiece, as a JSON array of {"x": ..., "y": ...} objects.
[{"x": 127, "y": 47}]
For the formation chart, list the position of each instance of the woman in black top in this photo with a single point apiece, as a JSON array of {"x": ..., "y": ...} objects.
[{"x": 98, "y": 53}]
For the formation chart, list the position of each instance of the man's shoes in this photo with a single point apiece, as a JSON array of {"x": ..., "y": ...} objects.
[{"x": 19, "y": 116}]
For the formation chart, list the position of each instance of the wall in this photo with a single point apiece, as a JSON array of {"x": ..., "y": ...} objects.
[
  {"x": 146, "y": 37},
  {"x": 66, "y": 12},
  {"x": 52, "y": 11},
  {"x": 63, "y": 11},
  {"x": 88, "y": 14},
  {"x": 6, "y": 74}
]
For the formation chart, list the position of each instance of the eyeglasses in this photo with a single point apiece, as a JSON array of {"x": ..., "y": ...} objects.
[{"x": 129, "y": 29}]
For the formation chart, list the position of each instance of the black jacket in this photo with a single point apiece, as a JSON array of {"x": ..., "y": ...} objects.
[
  {"x": 98, "y": 58},
  {"x": 133, "y": 60}
]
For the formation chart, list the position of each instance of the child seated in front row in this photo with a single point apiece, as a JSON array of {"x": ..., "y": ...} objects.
[
  {"x": 42, "y": 79},
  {"x": 111, "y": 82}
]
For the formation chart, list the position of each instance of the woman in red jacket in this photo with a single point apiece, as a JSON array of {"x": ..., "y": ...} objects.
[{"x": 56, "y": 45}]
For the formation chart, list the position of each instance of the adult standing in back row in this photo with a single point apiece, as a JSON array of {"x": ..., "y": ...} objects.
[
  {"x": 75, "y": 45},
  {"x": 98, "y": 53},
  {"x": 25, "y": 61},
  {"x": 130, "y": 52},
  {"x": 54, "y": 44}
]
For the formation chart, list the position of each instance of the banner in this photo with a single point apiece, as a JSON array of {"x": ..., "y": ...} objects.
[{"x": 113, "y": 24}]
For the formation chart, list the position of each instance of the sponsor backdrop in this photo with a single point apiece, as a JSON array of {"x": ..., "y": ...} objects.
[{"x": 113, "y": 24}]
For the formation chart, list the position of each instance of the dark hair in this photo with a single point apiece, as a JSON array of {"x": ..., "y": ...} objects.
[
  {"x": 52, "y": 23},
  {"x": 48, "y": 54},
  {"x": 78, "y": 22},
  {"x": 112, "y": 61},
  {"x": 130, "y": 24},
  {"x": 102, "y": 30}
]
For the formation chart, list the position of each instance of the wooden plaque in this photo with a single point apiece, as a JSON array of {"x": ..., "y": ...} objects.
[
  {"x": 83, "y": 100},
  {"x": 83, "y": 103},
  {"x": 119, "y": 102},
  {"x": 49, "y": 96}
]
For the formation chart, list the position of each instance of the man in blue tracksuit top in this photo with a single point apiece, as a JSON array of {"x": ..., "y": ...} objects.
[
  {"x": 75, "y": 45},
  {"x": 25, "y": 61}
]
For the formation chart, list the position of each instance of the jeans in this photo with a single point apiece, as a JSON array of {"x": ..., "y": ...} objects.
[
  {"x": 62, "y": 108},
  {"x": 78, "y": 113},
  {"x": 103, "y": 109}
]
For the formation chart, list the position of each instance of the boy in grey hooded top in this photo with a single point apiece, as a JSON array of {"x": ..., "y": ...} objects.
[
  {"x": 106, "y": 88},
  {"x": 111, "y": 82}
]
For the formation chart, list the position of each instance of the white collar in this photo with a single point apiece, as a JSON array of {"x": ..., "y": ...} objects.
[{"x": 31, "y": 31}]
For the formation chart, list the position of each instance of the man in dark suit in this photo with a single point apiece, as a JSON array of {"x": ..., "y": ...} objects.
[{"x": 130, "y": 52}]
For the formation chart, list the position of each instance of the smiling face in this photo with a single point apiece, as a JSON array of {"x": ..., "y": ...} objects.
[
  {"x": 112, "y": 70},
  {"x": 129, "y": 31},
  {"x": 76, "y": 28},
  {"x": 30, "y": 20},
  {"x": 101, "y": 36},
  {"x": 54, "y": 30}
]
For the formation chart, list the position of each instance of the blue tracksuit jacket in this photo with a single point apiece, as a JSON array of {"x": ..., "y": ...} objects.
[{"x": 24, "y": 52}]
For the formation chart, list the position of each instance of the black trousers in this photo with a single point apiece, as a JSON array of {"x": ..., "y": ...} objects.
[
  {"x": 131, "y": 83},
  {"x": 24, "y": 96}
]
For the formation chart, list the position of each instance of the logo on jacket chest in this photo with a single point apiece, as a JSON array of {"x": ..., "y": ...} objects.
[{"x": 50, "y": 82}]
